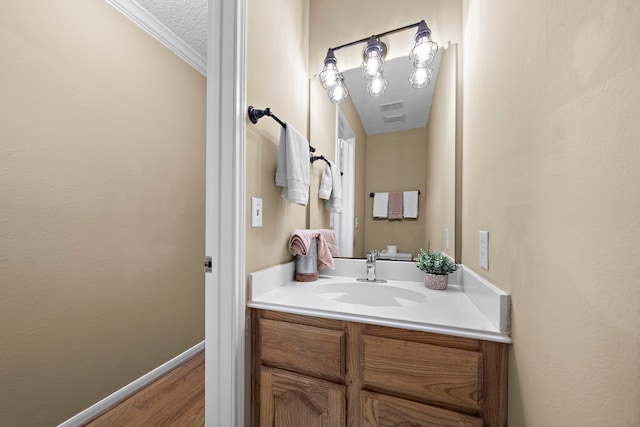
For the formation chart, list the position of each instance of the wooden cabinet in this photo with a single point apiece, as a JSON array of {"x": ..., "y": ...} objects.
[
  {"x": 309, "y": 371},
  {"x": 291, "y": 400}
]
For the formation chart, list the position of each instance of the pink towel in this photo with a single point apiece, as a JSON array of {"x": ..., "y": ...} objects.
[
  {"x": 395, "y": 205},
  {"x": 301, "y": 240},
  {"x": 332, "y": 243}
]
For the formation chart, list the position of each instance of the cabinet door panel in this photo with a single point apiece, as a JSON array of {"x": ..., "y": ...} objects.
[
  {"x": 291, "y": 400},
  {"x": 305, "y": 349},
  {"x": 386, "y": 411},
  {"x": 423, "y": 371}
]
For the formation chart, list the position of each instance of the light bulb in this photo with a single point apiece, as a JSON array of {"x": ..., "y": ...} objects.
[
  {"x": 373, "y": 62},
  {"x": 420, "y": 77},
  {"x": 329, "y": 76},
  {"x": 372, "y": 65},
  {"x": 377, "y": 86},
  {"x": 338, "y": 93},
  {"x": 423, "y": 52}
]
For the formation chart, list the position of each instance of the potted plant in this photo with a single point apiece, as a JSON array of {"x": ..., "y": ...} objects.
[{"x": 436, "y": 266}]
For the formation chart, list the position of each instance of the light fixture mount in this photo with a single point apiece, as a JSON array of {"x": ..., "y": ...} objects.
[{"x": 374, "y": 43}]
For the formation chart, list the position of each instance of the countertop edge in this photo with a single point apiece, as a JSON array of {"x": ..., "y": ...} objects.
[{"x": 424, "y": 327}]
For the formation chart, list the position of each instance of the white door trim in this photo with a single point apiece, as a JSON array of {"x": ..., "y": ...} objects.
[{"x": 225, "y": 215}]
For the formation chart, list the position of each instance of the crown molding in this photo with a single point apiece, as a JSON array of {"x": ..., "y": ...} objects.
[{"x": 160, "y": 32}]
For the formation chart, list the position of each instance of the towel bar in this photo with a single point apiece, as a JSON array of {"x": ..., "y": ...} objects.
[
  {"x": 373, "y": 194},
  {"x": 255, "y": 115}
]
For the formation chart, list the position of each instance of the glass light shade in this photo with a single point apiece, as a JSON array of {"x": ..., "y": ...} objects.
[
  {"x": 423, "y": 52},
  {"x": 373, "y": 64},
  {"x": 330, "y": 76},
  {"x": 377, "y": 86},
  {"x": 338, "y": 93},
  {"x": 420, "y": 77}
]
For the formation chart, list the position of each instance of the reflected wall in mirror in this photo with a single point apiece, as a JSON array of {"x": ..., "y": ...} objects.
[{"x": 414, "y": 152}]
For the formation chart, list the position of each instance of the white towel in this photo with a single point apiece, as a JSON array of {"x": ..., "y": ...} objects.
[
  {"x": 334, "y": 204},
  {"x": 325, "y": 184},
  {"x": 380, "y": 205},
  {"x": 410, "y": 204},
  {"x": 293, "y": 171}
]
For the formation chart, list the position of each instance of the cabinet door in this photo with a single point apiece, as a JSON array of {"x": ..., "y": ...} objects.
[
  {"x": 385, "y": 411},
  {"x": 292, "y": 400},
  {"x": 423, "y": 371}
]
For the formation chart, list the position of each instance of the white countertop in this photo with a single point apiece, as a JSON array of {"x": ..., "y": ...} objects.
[{"x": 403, "y": 303}]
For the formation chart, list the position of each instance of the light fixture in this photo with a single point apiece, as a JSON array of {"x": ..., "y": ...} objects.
[
  {"x": 330, "y": 76},
  {"x": 421, "y": 56},
  {"x": 377, "y": 86},
  {"x": 373, "y": 58},
  {"x": 420, "y": 77},
  {"x": 338, "y": 93},
  {"x": 424, "y": 51}
]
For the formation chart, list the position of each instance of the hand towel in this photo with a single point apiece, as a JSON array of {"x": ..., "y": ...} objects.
[
  {"x": 380, "y": 205},
  {"x": 334, "y": 204},
  {"x": 299, "y": 245},
  {"x": 293, "y": 171},
  {"x": 325, "y": 184},
  {"x": 410, "y": 204},
  {"x": 300, "y": 241},
  {"x": 332, "y": 243},
  {"x": 395, "y": 205},
  {"x": 324, "y": 254}
]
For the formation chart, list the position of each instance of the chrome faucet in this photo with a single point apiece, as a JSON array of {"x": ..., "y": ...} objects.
[
  {"x": 371, "y": 265},
  {"x": 371, "y": 268}
]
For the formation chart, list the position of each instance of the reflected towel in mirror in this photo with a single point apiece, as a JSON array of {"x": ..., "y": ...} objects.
[
  {"x": 332, "y": 242},
  {"x": 395, "y": 205},
  {"x": 410, "y": 204},
  {"x": 380, "y": 205},
  {"x": 331, "y": 188}
]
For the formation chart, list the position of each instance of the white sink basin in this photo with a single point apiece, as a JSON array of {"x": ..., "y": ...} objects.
[{"x": 369, "y": 294}]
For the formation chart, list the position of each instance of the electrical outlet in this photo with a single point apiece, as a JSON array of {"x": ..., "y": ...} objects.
[
  {"x": 256, "y": 212},
  {"x": 484, "y": 249},
  {"x": 446, "y": 239}
]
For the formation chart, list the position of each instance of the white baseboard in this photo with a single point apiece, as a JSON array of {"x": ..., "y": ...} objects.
[{"x": 126, "y": 391}]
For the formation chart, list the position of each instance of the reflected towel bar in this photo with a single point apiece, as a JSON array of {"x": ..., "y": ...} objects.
[{"x": 373, "y": 194}]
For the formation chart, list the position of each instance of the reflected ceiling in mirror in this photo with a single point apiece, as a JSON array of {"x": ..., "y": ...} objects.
[{"x": 400, "y": 107}]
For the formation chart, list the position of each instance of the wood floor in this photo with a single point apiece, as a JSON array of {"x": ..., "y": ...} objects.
[{"x": 176, "y": 400}]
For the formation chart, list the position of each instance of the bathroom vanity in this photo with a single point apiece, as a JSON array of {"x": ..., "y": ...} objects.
[{"x": 325, "y": 355}]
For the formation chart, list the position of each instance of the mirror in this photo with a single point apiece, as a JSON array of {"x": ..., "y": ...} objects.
[{"x": 416, "y": 148}]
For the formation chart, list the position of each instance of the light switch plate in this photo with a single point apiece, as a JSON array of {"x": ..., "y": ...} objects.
[
  {"x": 256, "y": 212},
  {"x": 484, "y": 249},
  {"x": 446, "y": 239}
]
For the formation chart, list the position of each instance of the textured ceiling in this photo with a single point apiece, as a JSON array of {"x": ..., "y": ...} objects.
[{"x": 187, "y": 19}]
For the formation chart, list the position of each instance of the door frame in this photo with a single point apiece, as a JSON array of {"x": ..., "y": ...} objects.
[{"x": 225, "y": 215}]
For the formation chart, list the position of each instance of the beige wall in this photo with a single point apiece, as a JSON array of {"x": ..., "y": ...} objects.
[
  {"x": 102, "y": 142},
  {"x": 277, "y": 77},
  {"x": 396, "y": 162},
  {"x": 551, "y": 155},
  {"x": 440, "y": 158}
]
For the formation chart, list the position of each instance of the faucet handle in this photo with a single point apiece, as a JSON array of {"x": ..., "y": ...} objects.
[{"x": 374, "y": 253}]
